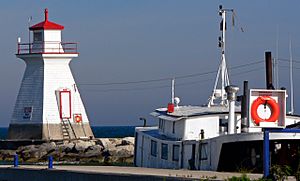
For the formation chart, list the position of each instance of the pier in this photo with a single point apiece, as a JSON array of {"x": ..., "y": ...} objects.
[{"x": 109, "y": 173}]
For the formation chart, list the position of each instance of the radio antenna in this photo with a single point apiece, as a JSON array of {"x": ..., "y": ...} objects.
[{"x": 222, "y": 71}]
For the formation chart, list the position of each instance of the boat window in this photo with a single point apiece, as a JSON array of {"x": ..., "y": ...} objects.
[
  {"x": 164, "y": 151},
  {"x": 203, "y": 151},
  {"x": 223, "y": 124},
  {"x": 175, "y": 152},
  {"x": 153, "y": 148},
  {"x": 160, "y": 125}
]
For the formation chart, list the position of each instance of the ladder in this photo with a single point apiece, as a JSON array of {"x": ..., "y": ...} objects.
[{"x": 67, "y": 130}]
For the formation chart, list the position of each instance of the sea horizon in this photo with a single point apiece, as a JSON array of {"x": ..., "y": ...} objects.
[{"x": 105, "y": 131}]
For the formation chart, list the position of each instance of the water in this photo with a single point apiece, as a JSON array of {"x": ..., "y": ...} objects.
[
  {"x": 113, "y": 131},
  {"x": 99, "y": 131}
]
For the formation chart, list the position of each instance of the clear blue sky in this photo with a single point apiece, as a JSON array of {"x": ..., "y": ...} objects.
[{"x": 124, "y": 41}]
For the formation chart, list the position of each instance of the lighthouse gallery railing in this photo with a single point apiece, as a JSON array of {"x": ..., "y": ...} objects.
[{"x": 47, "y": 47}]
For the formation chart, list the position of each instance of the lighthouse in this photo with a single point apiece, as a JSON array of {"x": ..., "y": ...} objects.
[{"x": 48, "y": 106}]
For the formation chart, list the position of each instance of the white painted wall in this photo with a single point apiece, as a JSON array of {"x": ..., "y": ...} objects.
[
  {"x": 52, "y": 35},
  {"x": 51, "y": 42},
  {"x": 44, "y": 75},
  {"x": 30, "y": 93},
  {"x": 148, "y": 160},
  {"x": 179, "y": 129},
  {"x": 210, "y": 125},
  {"x": 59, "y": 76}
]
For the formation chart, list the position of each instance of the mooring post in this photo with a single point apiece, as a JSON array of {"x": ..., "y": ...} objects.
[
  {"x": 50, "y": 162},
  {"x": 266, "y": 153},
  {"x": 16, "y": 162}
]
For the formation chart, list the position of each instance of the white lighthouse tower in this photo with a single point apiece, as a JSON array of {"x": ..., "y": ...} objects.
[{"x": 48, "y": 106}]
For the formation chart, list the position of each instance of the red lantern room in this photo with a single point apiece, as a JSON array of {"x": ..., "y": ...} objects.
[{"x": 46, "y": 39}]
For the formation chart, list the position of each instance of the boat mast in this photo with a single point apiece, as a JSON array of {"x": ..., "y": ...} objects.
[
  {"x": 220, "y": 93},
  {"x": 291, "y": 78},
  {"x": 173, "y": 91}
]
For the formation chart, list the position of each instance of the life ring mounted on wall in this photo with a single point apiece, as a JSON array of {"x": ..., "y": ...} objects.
[
  {"x": 77, "y": 118},
  {"x": 266, "y": 101}
]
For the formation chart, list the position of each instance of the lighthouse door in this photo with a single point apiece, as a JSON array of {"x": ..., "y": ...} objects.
[{"x": 65, "y": 104}]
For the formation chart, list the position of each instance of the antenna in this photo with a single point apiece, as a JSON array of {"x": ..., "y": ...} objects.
[
  {"x": 291, "y": 78},
  {"x": 29, "y": 21},
  {"x": 276, "y": 60},
  {"x": 221, "y": 93},
  {"x": 173, "y": 91}
]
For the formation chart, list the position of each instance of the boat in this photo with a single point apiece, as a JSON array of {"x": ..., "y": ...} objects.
[{"x": 223, "y": 135}]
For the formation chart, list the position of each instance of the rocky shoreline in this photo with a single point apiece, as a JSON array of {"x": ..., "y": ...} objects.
[{"x": 99, "y": 151}]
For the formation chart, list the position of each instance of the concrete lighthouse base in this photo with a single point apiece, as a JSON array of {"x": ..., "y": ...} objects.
[{"x": 48, "y": 132}]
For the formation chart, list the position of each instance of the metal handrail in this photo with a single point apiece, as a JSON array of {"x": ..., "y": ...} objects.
[{"x": 39, "y": 47}]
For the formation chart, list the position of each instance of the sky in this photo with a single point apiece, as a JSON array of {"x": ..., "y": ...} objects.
[{"x": 139, "y": 40}]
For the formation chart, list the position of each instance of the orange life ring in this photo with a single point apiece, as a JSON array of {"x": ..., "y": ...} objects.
[
  {"x": 275, "y": 111},
  {"x": 78, "y": 118}
]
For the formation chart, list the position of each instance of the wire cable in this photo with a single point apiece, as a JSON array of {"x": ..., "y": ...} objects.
[
  {"x": 168, "y": 78},
  {"x": 167, "y": 86}
]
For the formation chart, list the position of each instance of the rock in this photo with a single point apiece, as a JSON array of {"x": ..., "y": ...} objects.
[
  {"x": 122, "y": 151},
  {"x": 99, "y": 151},
  {"x": 7, "y": 155},
  {"x": 66, "y": 147},
  {"x": 57, "y": 154},
  {"x": 98, "y": 141},
  {"x": 105, "y": 143},
  {"x": 127, "y": 141},
  {"x": 25, "y": 148},
  {"x": 94, "y": 151},
  {"x": 115, "y": 141},
  {"x": 48, "y": 147},
  {"x": 30, "y": 152},
  {"x": 81, "y": 146}
]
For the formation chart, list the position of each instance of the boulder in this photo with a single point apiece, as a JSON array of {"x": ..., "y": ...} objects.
[
  {"x": 30, "y": 152},
  {"x": 7, "y": 155},
  {"x": 105, "y": 143},
  {"x": 66, "y": 147},
  {"x": 122, "y": 151},
  {"x": 48, "y": 147},
  {"x": 127, "y": 141},
  {"x": 25, "y": 148},
  {"x": 101, "y": 150},
  {"x": 81, "y": 146},
  {"x": 115, "y": 141},
  {"x": 93, "y": 151}
]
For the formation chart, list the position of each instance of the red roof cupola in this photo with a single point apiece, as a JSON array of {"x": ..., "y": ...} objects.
[{"x": 46, "y": 25}]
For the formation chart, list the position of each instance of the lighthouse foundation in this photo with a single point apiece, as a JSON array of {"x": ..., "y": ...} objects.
[{"x": 49, "y": 131}]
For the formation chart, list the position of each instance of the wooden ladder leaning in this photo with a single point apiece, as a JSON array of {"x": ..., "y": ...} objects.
[{"x": 67, "y": 130}]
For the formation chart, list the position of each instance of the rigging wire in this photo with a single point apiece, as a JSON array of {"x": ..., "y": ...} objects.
[
  {"x": 166, "y": 79},
  {"x": 167, "y": 86},
  {"x": 288, "y": 60}
]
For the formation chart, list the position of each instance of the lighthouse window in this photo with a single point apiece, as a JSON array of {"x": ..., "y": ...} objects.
[
  {"x": 153, "y": 148},
  {"x": 37, "y": 36},
  {"x": 164, "y": 151},
  {"x": 175, "y": 152}
]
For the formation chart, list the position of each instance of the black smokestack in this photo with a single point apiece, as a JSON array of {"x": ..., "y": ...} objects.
[
  {"x": 269, "y": 74},
  {"x": 244, "y": 108}
]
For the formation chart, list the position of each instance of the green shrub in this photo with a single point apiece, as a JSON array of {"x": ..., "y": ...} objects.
[{"x": 281, "y": 172}]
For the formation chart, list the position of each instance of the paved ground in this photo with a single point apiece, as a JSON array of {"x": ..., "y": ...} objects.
[{"x": 143, "y": 171}]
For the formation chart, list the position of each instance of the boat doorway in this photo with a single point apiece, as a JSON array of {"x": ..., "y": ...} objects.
[{"x": 248, "y": 156}]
